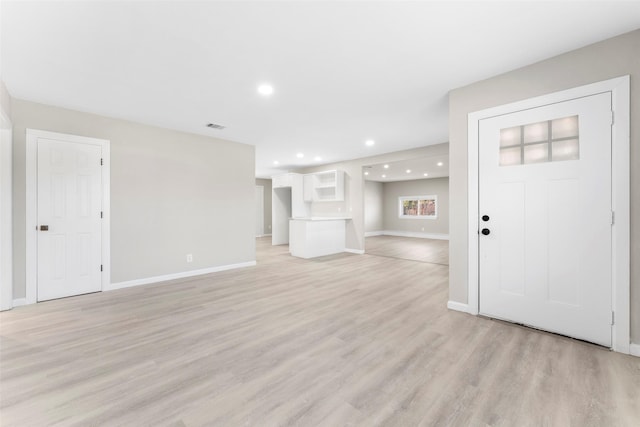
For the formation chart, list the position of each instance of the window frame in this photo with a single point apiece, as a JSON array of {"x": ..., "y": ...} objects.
[{"x": 402, "y": 199}]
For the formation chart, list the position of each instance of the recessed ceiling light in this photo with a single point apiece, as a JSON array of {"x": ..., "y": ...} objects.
[
  {"x": 370, "y": 142},
  {"x": 317, "y": 158},
  {"x": 299, "y": 155},
  {"x": 408, "y": 170},
  {"x": 265, "y": 89},
  {"x": 384, "y": 176},
  {"x": 386, "y": 166},
  {"x": 440, "y": 163},
  {"x": 275, "y": 162},
  {"x": 425, "y": 174},
  {"x": 366, "y": 172}
]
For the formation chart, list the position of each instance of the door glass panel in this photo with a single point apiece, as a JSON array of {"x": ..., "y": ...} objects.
[
  {"x": 566, "y": 127},
  {"x": 532, "y": 142},
  {"x": 510, "y": 156},
  {"x": 565, "y": 150},
  {"x": 510, "y": 137},
  {"x": 536, "y": 132},
  {"x": 536, "y": 153}
]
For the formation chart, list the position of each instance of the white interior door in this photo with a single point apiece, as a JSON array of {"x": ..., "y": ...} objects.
[
  {"x": 259, "y": 210},
  {"x": 69, "y": 219},
  {"x": 545, "y": 217}
]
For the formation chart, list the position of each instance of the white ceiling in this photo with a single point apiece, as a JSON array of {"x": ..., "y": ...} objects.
[
  {"x": 343, "y": 72},
  {"x": 406, "y": 170}
]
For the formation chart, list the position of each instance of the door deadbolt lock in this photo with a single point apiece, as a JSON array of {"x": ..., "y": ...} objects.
[
  {"x": 44, "y": 228},
  {"x": 486, "y": 231}
]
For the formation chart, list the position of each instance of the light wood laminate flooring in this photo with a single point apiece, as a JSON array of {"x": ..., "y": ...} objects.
[
  {"x": 411, "y": 248},
  {"x": 339, "y": 340}
]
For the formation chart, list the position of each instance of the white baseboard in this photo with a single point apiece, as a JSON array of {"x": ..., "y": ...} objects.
[
  {"x": 19, "y": 301},
  {"x": 181, "y": 275},
  {"x": 355, "y": 251},
  {"x": 458, "y": 306},
  {"x": 263, "y": 235},
  {"x": 634, "y": 350},
  {"x": 418, "y": 234}
]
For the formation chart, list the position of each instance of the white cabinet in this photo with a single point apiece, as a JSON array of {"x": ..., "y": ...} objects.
[
  {"x": 284, "y": 180},
  {"x": 308, "y": 188},
  {"x": 314, "y": 237},
  {"x": 324, "y": 186}
]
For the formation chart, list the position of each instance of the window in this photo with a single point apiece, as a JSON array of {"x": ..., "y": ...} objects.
[
  {"x": 418, "y": 207},
  {"x": 548, "y": 141}
]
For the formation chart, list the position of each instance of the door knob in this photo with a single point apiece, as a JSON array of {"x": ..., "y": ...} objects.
[
  {"x": 44, "y": 228},
  {"x": 485, "y": 218},
  {"x": 486, "y": 231}
]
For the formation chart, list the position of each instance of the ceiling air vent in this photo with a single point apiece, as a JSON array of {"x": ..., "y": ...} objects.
[{"x": 215, "y": 126}]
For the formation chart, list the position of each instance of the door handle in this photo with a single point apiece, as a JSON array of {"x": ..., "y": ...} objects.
[
  {"x": 486, "y": 231},
  {"x": 44, "y": 228}
]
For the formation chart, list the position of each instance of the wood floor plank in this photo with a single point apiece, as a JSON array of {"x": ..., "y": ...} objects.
[{"x": 339, "y": 340}]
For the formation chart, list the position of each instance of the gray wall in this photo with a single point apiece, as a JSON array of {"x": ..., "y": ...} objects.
[
  {"x": 354, "y": 188},
  {"x": 172, "y": 193},
  {"x": 419, "y": 187},
  {"x": 611, "y": 58},
  {"x": 266, "y": 183},
  {"x": 373, "y": 206}
]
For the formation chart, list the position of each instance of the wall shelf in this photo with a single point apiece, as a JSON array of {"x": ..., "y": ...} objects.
[{"x": 324, "y": 186}]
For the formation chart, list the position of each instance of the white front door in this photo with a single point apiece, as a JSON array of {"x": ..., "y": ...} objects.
[
  {"x": 259, "y": 210},
  {"x": 545, "y": 217},
  {"x": 69, "y": 219}
]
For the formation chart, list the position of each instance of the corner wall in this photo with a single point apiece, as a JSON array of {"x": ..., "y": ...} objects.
[
  {"x": 172, "y": 194},
  {"x": 611, "y": 58},
  {"x": 373, "y": 206}
]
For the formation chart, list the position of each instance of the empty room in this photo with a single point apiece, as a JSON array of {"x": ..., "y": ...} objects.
[{"x": 319, "y": 213}]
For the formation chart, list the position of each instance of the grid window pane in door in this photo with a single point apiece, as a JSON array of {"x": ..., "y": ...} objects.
[
  {"x": 566, "y": 127},
  {"x": 540, "y": 142},
  {"x": 536, "y": 153},
  {"x": 565, "y": 150},
  {"x": 536, "y": 132},
  {"x": 510, "y": 137}
]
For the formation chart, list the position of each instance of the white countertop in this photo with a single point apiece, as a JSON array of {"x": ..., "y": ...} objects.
[{"x": 321, "y": 218}]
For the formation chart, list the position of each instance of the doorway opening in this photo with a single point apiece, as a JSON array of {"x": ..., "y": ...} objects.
[{"x": 406, "y": 209}]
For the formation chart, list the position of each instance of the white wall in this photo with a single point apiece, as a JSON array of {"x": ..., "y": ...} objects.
[
  {"x": 418, "y": 187},
  {"x": 172, "y": 193},
  {"x": 601, "y": 61},
  {"x": 373, "y": 206}
]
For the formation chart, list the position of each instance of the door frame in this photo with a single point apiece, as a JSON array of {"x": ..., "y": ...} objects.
[
  {"x": 620, "y": 183},
  {"x": 31, "y": 218}
]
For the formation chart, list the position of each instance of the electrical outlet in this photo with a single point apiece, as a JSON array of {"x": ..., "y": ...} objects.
[{"x": 189, "y": 257}]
